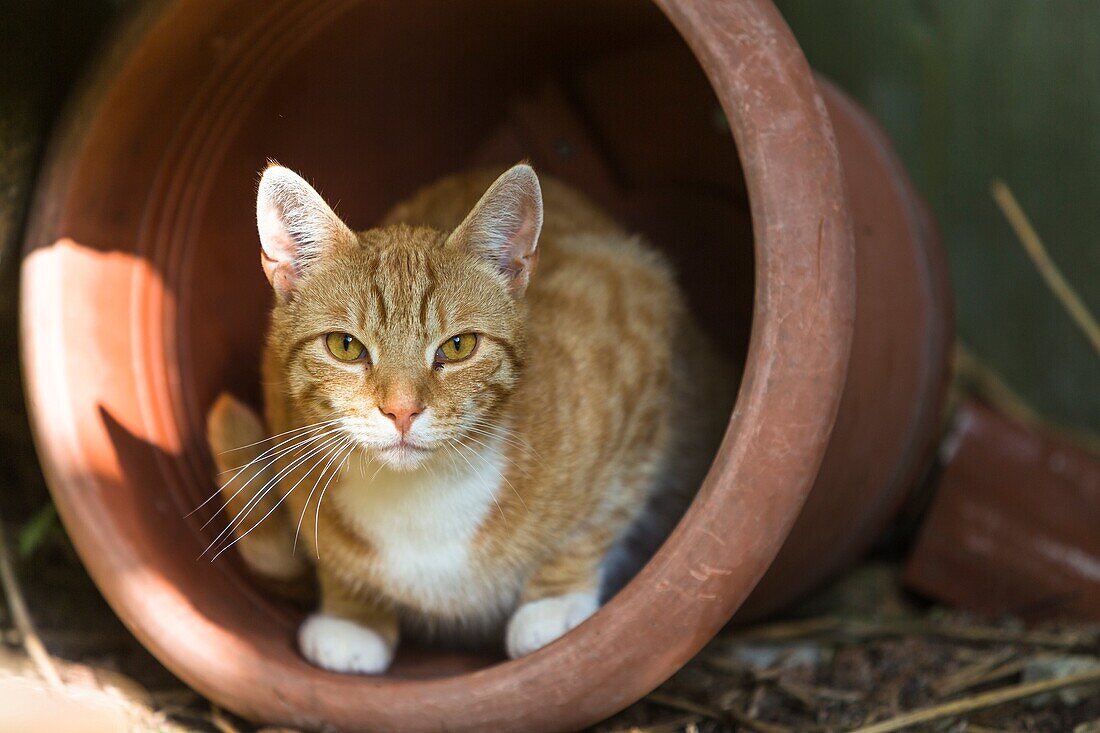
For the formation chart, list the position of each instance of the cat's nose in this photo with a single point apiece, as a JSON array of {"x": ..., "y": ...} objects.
[{"x": 402, "y": 412}]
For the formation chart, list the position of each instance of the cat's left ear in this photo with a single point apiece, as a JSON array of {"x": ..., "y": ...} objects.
[
  {"x": 296, "y": 227},
  {"x": 504, "y": 226}
]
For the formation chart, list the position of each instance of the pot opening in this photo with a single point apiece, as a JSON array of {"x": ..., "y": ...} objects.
[{"x": 370, "y": 101}]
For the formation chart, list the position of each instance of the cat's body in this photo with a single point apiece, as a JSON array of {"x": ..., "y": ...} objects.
[{"x": 588, "y": 397}]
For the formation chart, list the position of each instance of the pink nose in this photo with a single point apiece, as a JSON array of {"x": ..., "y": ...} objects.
[{"x": 402, "y": 412}]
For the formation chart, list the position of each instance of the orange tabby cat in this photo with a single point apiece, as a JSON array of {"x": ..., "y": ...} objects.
[{"x": 465, "y": 442}]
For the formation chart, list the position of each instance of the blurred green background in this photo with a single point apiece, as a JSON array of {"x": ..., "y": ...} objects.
[{"x": 972, "y": 90}]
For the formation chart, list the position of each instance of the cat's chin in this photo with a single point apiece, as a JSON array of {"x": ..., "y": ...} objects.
[{"x": 403, "y": 456}]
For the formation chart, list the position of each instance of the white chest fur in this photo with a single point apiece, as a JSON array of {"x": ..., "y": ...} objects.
[{"x": 422, "y": 524}]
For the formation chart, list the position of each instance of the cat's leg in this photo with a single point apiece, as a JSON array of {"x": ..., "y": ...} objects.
[
  {"x": 560, "y": 595},
  {"x": 236, "y": 437},
  {"x": 348, "y": 634}
]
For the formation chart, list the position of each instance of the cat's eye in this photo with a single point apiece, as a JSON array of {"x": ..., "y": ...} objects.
[
  {"x": 456, "y": 348},
  {"x": 345, "y": 347}
]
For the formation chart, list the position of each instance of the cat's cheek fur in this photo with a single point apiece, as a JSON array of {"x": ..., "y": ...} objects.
[
  {"x": 340, "y": 645},
  {"x": 537, "y": 623}
]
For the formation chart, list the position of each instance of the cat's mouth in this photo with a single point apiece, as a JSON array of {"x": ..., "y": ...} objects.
[
  {"x": 405, "y": 445},
  {"x": 403, "y": 453}
]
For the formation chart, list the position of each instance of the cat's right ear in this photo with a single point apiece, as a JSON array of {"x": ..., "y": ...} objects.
[
  {"x": 296, "y": 227},
  {"x": 505, "y": 224}
]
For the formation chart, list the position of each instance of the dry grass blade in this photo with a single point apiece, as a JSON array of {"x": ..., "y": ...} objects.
[
  {"x": 784, "y": 630},
  {"x": 679, "y": 703},
  {"x": 1039, "y": 255},
  {"x": 971, "y": 675},
  {"x": 997, "y": 673},
  {"x": 863, "y": 629},
  {"x": 743, "y": 719},
  {"x": 977, "y": 377},
  {"x": 979, "y": 634},
  {"x": 811, "y": 695},
  {"x": 220, "y": 721},
  {"x": 980, "y": 702},
  {"x": 714, "y": 713},
  {"x": 21, "y": 616},
  {"x": 666, "y": 726}
]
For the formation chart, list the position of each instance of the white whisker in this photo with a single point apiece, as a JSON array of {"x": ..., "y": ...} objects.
[
  {"x": 297, "y": 447},
  {"x": 241, "y": 469},
  {"x": 258, "y": 496},
  {"x": 373, "y": 476},
  {"x": 279, "y": 435},
  {"x": 349, "y": 444},
  {"x": 317, "y": 512},
  {"x": 510, "y": 462},
  {"x": 503, "y": 433},
  {"x": 501, "y": 474},
  {"x": 491, "y": 494},
  {"x": 325, "y": 454}
]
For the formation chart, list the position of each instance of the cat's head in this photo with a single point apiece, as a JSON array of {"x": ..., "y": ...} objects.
[{"x": 408, "y": 338}]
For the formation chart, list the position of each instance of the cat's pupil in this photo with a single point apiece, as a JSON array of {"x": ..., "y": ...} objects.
[
  {"x": 457, "y": 341},
  {"x": 347, "y": 342}
]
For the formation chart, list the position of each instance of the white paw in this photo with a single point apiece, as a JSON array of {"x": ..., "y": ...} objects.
[
  {"x": 339, "y": 645},
  {"x": 536, "y": 624}
]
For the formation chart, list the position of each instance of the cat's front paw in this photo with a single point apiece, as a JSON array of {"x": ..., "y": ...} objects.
[
  {"x": 536, "y": 624},
  {"x": 340, "y": 645}
]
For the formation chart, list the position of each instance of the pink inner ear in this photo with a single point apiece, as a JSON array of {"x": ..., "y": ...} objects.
[
  {"x": 277, "y": 248},
  {"x": 275, "y": 239},
  {"x": 505, "y": 224},
  {"x": 295, "y": 226},
  {"x": 279, "y": 274},
  {"x": 522, "y": 245}
]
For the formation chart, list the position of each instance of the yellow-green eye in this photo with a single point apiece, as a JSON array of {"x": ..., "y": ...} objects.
[
  {"x": 345, "y": 347},
  {"x": 457, "y": 348}
]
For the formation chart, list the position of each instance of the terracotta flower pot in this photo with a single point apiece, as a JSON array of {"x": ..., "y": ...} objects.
[{"x": 142, "y": 299}]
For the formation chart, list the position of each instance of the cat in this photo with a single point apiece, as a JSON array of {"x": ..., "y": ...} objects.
[{"x": 484, "y": 417}]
